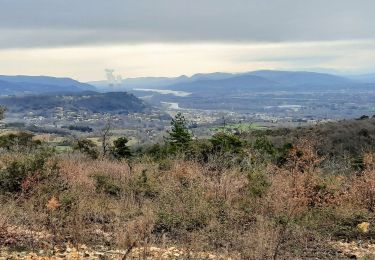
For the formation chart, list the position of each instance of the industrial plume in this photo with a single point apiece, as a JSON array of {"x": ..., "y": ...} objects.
[{"x": 112, "y": 79}]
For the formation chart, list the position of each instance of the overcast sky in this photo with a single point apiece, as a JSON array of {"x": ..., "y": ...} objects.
[{"x": 171, "y": 37}]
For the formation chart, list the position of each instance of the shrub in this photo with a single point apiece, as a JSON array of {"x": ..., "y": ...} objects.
[
  {"x": 156, "y": 151},
  {"x": 107, "y": 185},
  {"x": 263, "y": 145},
  {"x": 12, "y": 177},
  {"x": 144, "y": 186},
  {"x": 21, "y": 169},
  {"x": 227, "y": 143},
  {"x": 258, "y": 184},
  {"x": 87, "y": 147},
  {"x": 21, "y": 142},
  {"x": 199, "y": 150},
  {"x": 182, "y": 209}
]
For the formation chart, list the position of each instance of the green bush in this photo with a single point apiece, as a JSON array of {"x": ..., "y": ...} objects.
[
  {"x": 258, "y": 184},
  {"x": 22, "y": 168},
  {"x": 199, "y": 150},
  {"x": 263, "y": 145},
  {"x": 227, "y": 143},
  {"x": 182, "y": 209},
  {"x": 67, "y": 201},
  {"x": 12, "y": 177},
  {"x": 167, "y": 221},
  {"x": 22, "y": 141},
  {"x": 157, "y": 152},
  {"x": 107, "y": 185},
  {"x": 87, "y": 147},
  {"x": 145, "y": 186}
]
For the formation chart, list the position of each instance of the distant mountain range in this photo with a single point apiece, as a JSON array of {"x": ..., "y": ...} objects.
[
  {"x": 237, "y": 81},
  {"x": 298, "y": 78},
  {"x": 279, "y": 94},
  {"x": 294, "y": 94},
  {"x": 264, "y": 81},
  {"x": 158, "y": 82},
  {"x": 15, "y": 85}
]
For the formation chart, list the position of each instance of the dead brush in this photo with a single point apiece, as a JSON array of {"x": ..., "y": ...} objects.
[
  {"x": 4, "y": 223},
  {"x": 363, "y": 187},
  {"x": 192, "y": 205},
  {"x": 303, "y": 157},
  {"x": 135, "y": 233}
]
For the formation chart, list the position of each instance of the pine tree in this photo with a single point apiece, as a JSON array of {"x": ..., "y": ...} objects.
[
  {"x": 120, "y": 148},
  {"x": 179, "y": 135}
]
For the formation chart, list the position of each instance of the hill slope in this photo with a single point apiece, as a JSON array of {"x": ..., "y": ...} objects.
[
  {"x": 342, "y": 138},
  {"x": 302, "y": 78},
  {"x": 234, "y": 84},
  {"x": 15, "y": 85},
  {"x": 218, "y": 79},
  {"x": 112, "y": 102},
  {"x": 262, "y": 80}
]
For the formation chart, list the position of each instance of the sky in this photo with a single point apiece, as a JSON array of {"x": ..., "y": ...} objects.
[{"x": 80, "y": 39}]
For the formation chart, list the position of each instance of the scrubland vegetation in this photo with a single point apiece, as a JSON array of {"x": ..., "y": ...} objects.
[{"x": 257, "y": 196}]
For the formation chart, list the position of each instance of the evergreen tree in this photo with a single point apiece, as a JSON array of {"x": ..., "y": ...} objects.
[
  {"x": 179, "y": 135},
  {"x": 120, "y": 148}
]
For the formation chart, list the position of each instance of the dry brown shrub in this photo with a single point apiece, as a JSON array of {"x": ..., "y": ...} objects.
[
  {"x": 192, "y": 205},
  {"x": 135, "y": 233},
  {"x": 369, "y": 161},
  {"x": 363, "y": 186},
  {"x": 303, "y": 157}
]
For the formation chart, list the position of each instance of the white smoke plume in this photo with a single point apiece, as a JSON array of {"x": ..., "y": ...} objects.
[{"x": 112, "y": 79}]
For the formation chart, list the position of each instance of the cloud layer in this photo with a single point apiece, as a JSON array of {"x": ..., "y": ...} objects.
[
  {"x": 172, "y": 37},
  {"x": 35, "y": 23}
]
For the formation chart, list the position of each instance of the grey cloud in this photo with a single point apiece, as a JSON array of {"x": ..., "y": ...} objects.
[{"x": 33, "y": 23}]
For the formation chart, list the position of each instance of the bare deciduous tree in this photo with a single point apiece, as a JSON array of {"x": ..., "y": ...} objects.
[{"x": 105, "y": 134}]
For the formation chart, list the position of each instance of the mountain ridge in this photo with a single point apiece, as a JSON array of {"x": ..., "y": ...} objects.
[
  {"x": 22, "y": 84},
  {"x": 285, "y": 78}
]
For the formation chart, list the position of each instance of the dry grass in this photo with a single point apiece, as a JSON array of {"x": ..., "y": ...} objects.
[{"x": 259, "y": 212}]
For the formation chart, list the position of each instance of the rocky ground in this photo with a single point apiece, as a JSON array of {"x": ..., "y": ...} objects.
[
  {"x": 17, "y": 236},
  {"x": 83, "y": 252},
  {"x": 346, "y": 250},
  {"x": 355, "y": 250}
]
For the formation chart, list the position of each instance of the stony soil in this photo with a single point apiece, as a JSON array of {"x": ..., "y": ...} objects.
[
  {"x": 14, "y": 236},
  {"x": 83, "y": 252}
]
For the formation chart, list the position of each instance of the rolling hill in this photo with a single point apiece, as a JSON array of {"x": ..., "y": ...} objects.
[
  {"x": 262, "y": 80},
  {"x": 233, "y": 84},
  {"x": 301, "y": 78},
  {"x": 16, "y": 85},
  {"x": 112, "y": 102},
  {"x": 219, "y": 81}
]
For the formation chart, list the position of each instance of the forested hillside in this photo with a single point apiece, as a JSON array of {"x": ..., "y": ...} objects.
[{"x": 91, "y": 101}]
